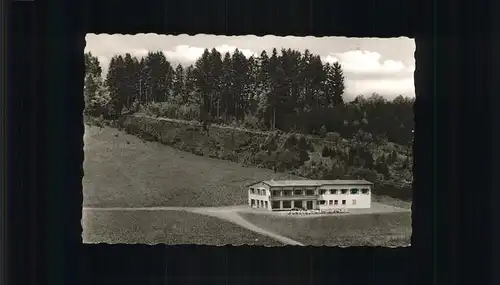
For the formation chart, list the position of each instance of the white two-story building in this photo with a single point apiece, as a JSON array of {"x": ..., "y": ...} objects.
[{"x": 276, "y": 195}]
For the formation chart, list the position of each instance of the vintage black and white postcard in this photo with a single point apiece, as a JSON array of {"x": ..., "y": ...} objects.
[{"x": 238, "y": 140}]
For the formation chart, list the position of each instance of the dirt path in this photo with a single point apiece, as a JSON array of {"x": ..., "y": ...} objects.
[{"x": 224, "y": 213}]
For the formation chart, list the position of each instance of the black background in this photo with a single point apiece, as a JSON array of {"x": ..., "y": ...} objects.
[{"x": 453, "y": 213}]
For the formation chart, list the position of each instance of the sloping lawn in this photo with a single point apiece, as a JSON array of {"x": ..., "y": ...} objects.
[
  {"x": 388, "y": 229},
  {"x": 121, "y": 170},
  {"x": 167, "y": 227}
]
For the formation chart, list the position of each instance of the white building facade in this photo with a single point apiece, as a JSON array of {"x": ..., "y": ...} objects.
[
  {"x": 276, "y": 195},
  {"x": 259, "y": 195}
]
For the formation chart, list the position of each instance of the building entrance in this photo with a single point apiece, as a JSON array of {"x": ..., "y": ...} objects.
[
  {"x": 298, "y": 204},
  {"x": 309, "y": 205}
]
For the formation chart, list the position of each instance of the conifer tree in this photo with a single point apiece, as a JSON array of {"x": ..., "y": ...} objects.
[
  {"x": 129, "y": 72},
  {"x": 239, "y": 68},
  {"x": 115, "y": 84},
  {"x": 226, "y": 87},
  {"x": 178, "y": 88},
  {"x": 204, "y": 87},
  {"x": 338, "y": 84},
  {"x": 215, "y": 81},
  {"x": 159, "y": 73}
]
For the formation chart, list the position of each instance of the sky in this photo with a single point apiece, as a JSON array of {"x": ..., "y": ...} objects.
[{"x": 371, "y": 65}]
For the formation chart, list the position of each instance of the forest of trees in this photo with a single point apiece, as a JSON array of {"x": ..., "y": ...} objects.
[{"x": 286, "y": 90}]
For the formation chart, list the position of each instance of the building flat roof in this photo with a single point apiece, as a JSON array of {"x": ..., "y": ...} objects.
[{"x": 312, "y": 183}]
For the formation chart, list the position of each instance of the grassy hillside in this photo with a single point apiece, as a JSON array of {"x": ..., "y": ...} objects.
[
  {"x": 386, "y": 164},
  {"x": 388, "y": 229},
  {"x": 121, "y": 170},
  {"x": 168, "y": 227}
]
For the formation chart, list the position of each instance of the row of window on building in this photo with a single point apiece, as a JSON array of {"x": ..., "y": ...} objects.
[
  {"x": 258, "y": 191},
  {"x": 285, "y": 204},
  {"x": 353, "y": 191},
  {"x": 258, "y": 203},
  {"x": 290, "y": 204},
  {"x": 277, "y": 204},
  {"x": 293, "y": 192},
  {"x": 335, "y": 202}
]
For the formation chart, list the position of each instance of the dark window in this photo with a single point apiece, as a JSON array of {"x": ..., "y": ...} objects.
[
  {"x": 343, "y": 191},
  {"x": 332, "y": 201},
  {"x": 365, "y": 191},
  {"x": 287, "y": 204},
  {"x": 275, "y": 204},
  {"x": 323, "y": 192},
  {"x": 286, "y": 193},
  {"x": 321, "y": 202},
  {"x": 336, "y": 202},
  {"x": 354, "y": 191},
  {"x": 263, "y": 191},
  {"x": 343, "y": 202},
  {"x": 333, "y": 191},
  {"x": 297, "y": 192},
  {"x": 310, "y": 192}
]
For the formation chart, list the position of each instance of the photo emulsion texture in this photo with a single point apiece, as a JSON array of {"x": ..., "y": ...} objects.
[{"x": 248, "y": 140}]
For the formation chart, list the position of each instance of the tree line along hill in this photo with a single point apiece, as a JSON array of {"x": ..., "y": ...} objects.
[{"x": 286, "y": 92}]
